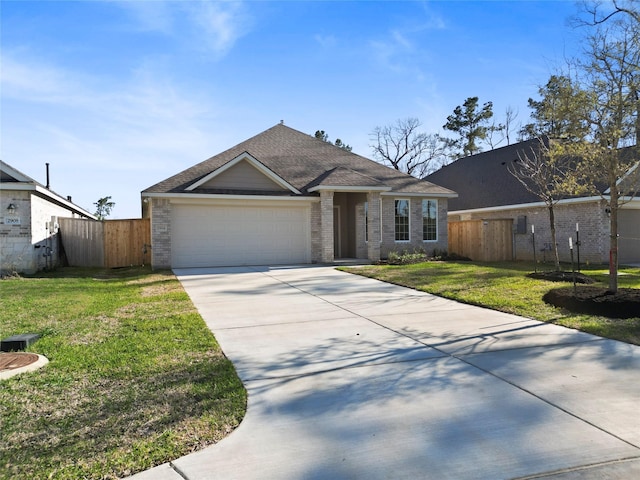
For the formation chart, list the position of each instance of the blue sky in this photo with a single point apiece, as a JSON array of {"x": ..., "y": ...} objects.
[{"x": 119, "y": 95}]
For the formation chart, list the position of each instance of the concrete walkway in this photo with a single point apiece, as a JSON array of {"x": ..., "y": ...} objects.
[{"x": 352, "y": 378}]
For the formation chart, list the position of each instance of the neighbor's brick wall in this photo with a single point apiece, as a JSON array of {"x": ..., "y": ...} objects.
[
  {"x": 160, "y": 233},
  {"x": 16, "y": 251},
  {"x": 592, "y": 219},
  {"x": 23, "y": 247}
]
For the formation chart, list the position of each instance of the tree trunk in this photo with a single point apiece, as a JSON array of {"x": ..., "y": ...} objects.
[
  {"x": 552, "y": 225},
  {"x": 613, "y": 243}
]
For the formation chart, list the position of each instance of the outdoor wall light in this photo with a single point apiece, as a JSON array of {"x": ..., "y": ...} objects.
[{"x": 12, "y": 208}]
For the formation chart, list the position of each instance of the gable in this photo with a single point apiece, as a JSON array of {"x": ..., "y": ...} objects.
[
  {"x": 8, "y": 174},
  {"x": 249, "y": 171},
  {"x": 242, "y": 176}
]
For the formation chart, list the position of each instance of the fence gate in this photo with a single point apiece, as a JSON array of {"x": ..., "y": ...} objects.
[
  {"x": 482, "y": 240},
  {"x": 110, "y": 243}
]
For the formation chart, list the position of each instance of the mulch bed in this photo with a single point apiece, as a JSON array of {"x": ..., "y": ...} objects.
[
  {"x": 561, "y": 276},
  {"x": 625, "y": 303}
]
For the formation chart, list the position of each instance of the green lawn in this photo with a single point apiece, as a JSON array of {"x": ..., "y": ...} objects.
[
  {"x": 505, "y": 287},
  {"x": 135, "y": 377}
]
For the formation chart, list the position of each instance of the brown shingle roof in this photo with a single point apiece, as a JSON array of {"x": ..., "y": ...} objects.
[
  {"x": 304, "y": 161},
  {"x": 483, "y": 180}
]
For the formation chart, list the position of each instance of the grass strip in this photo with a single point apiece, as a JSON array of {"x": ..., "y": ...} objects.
[{"x": 135, "y": 377}]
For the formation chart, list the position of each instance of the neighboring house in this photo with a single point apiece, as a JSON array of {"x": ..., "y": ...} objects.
[
  {"x": 488, "y": 191},
  {"x": 29, "y": 214},
  {"x": 285, "y": 197}
]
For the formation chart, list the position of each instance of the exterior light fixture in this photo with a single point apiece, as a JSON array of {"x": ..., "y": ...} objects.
[{"x": 12, "y": 208}]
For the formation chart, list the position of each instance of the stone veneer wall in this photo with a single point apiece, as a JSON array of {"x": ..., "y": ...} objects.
[
  {"x": 591, "y": 217},
  {"x": 16, "y": 251},
  {"x": 160, "y": 233}
]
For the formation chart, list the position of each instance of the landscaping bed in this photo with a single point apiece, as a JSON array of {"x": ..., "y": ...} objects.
[
  {"x": 562, "y": 276},
  {"x": 625, "y": 303}
]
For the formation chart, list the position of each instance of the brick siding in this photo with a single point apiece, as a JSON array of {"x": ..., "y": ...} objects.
[
  {"x": 415, "y": 242},
  {"x": 593, "y": 224},
  {"x": 160, "y": 233}
]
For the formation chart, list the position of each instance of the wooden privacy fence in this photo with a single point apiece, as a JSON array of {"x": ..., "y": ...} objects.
[
  {"x": 482, "y": 240},
  {"x": 109, "y": 244}
]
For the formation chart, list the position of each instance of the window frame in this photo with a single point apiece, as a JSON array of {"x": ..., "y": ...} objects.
[
  {"x": 396, "y": 223},
  {"x": 426, "y": 202}
]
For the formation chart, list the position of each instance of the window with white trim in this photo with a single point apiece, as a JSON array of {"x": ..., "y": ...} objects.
[
  {"x": 402, "y": 220},
  {"x": 429, "y": 220}
]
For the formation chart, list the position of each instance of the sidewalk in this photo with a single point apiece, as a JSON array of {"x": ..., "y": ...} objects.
[{"x": 349, "y": 377}]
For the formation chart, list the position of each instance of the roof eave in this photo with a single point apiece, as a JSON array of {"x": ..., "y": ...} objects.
[
  {"x": 422, "y": 194},
  {"x": 347, "y": 188},
  {"x": 226, "y": 196}
]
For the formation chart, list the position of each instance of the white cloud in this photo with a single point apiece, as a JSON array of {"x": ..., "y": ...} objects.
[
  {"x": 219, "y": 24},
  {"x": 33, "y": 81},
  {"x": 212, "y": 26},
  {"x": 123, "y": 134},
  {"x": 149, "y": 16},
  {"x": 396, "y": 52}
]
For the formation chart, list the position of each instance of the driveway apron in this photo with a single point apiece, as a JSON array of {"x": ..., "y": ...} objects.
[{"x": 350, "y": 378}]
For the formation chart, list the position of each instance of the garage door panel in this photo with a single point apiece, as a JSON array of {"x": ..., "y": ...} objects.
[{"x": 239, "y": 235}]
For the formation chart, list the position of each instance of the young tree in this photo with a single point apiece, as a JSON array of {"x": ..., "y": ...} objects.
[
  {"x": 104, "y": 207},
  {"x": 406, "y": 149},
  {"x": 548, "y": 173},
  {"x": 470, "y": 122},
  {"x": 610, "y": 72},
  {"x": 322, "y": 135}
]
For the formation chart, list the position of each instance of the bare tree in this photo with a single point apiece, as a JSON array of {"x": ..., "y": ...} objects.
[
  {"x": 509, "y": 120},
  {"x": 598, "y": 12},
  {"x": 495, "y": 135},
  {"x": 548, "y": 173},
  {"x": 403, "y": 147}
]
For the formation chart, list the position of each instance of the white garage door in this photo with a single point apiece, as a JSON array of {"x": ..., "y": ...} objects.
[{"x": 203, "y": 235}]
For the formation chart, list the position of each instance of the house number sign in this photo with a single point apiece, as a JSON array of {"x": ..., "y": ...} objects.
[{"x": 11, "y": 221}]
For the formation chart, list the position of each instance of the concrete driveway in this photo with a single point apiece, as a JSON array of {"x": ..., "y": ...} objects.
[{"x": 352, "y": 378}]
